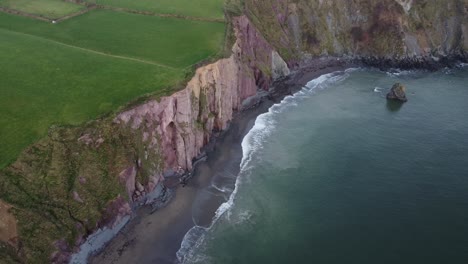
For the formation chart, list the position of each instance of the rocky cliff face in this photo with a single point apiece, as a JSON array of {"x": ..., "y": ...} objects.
[
  {"x": 396, "y": 29},
  {"x": 81, "y": 179},
  {"x": 177, "y": 127}
]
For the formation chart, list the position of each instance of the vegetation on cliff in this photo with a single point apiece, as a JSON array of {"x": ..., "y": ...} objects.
[
  {"x": 58, "y": 76},
  {"x": 383, "y": 29},
  {"x": 61, "y": 188}
]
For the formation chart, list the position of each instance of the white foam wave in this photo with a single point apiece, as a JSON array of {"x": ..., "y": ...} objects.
[
  {"x": 194, "y": 237},
  {"x": 448, "y": 71},
  {"x": 378, "y": 89},
  {"x": 252, "y": 142},
  {"x": 244, "y": 216},
  {"x": 398, "y": 73},
  {"x": 452, "y": 70},
  {"x": 224, "y": 189}
]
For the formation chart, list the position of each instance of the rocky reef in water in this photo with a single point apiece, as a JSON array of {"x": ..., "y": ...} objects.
[{"x": 79, "y": 180}]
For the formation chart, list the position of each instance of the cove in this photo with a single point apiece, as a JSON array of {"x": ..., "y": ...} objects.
[{"x": 335, "y": 174}]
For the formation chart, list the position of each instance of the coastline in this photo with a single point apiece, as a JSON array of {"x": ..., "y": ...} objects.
[
  {"x": 156, "y": 236},
  {"x": 140, "y": 177}
]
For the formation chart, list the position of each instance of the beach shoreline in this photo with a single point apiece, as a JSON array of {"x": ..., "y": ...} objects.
[{"x": 156, "y": 236}]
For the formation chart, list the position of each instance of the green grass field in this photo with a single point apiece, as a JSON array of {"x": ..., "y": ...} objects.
[
  {"x": 194, "y": 8},
  {"x": 168, "y": 41},
  {"x": 47, "y": 8},
  {"x": 44, "y": 83},
  {"x": 71, "y": 72}
]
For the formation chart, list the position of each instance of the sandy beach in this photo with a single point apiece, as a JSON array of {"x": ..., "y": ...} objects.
[{"x": 155, "y": 237}]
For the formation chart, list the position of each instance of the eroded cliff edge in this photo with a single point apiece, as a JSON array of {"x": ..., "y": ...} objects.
[{"x": 80, "y": 179}]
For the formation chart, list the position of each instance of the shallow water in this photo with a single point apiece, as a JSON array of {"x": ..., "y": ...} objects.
[{"x": 335, "y": 174}]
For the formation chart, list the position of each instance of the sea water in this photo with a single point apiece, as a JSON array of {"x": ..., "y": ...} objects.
[{"x": 336, "y": 174}]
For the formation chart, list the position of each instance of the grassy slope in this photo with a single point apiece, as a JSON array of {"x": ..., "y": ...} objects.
[
  {"x": 198, "y": 8},
  {"x": 44, "y": 82},
  {"x": 169, "y": 41},
  {"x": 46, "y": 8}
]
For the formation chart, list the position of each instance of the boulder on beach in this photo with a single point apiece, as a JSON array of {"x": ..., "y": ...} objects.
[{"x": 397, "y": 93}]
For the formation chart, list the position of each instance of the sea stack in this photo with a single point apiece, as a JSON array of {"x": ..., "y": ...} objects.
[{"x": 397, "y": 93}]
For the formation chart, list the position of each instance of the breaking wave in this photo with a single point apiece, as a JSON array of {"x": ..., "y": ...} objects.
[
  {"x": 378, "y": 89},
  {"x": 253, "y": 142},
  {"x": 398, "y": 72}
]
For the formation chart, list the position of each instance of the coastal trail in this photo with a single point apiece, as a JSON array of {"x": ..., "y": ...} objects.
[{"x": 93, "y": 51}]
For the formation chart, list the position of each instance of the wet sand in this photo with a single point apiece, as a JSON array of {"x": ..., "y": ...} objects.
[{"x": 156, "y": 237}]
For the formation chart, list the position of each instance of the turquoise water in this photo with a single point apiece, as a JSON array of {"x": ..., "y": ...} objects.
[{"x": 335, "y": 174}]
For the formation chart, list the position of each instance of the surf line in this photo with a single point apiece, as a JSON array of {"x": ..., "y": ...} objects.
[{"x": 252, "y": 142}]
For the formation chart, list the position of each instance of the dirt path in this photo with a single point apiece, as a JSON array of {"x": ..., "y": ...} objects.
[
  {"x": 21, "y": 13},
  {"x": 94, "y": 51},
  {"x": 79, "y": 13}
]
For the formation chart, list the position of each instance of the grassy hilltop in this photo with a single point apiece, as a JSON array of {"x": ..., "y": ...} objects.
[{"x": 89, "y": 65}]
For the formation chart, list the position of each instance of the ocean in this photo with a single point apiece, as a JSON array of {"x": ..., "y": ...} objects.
[{"x": 336, "y": 174}]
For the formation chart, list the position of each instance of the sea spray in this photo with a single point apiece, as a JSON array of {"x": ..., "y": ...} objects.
[{"x": 252, "y": 142}]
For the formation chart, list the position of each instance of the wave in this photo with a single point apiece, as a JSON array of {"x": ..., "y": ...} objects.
[
  {"x": 252, "y": 143},
  {"x": 224, "y": 189},
  {"x": 193, "y": 238},
  {"x": 245, "y": 216},
  {"x": 378, "y": 89},
  {"x": 398, "y": 72}
]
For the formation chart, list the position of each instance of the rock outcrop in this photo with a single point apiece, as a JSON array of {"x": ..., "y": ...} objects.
[
  {"x": 397, "y": 93},
  {"x": 181, "y": 124}
]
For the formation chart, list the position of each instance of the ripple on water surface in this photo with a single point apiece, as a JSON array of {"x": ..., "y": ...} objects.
[{"x": 334, "y": 174}]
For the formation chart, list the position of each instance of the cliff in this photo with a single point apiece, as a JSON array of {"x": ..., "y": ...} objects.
[
  {"x": 393, "y": 31},
  {"x": 81, "y": 179}
]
